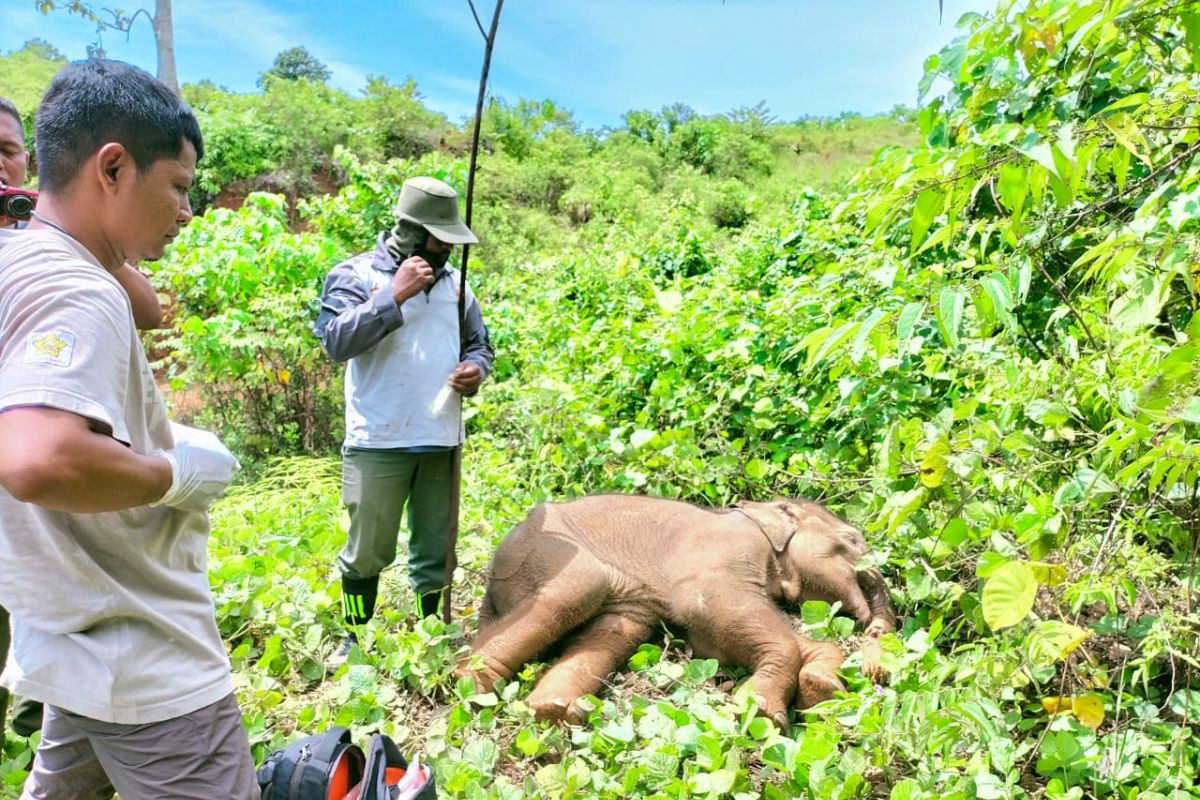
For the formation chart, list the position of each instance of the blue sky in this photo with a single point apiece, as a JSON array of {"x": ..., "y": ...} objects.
[{"x": 599, "y": 58}]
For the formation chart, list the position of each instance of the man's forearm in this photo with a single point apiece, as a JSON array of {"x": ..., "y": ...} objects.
[{"x": 67, "y": 467}]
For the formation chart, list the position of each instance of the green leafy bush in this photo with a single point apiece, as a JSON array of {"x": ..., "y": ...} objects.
[{"x": 245, "y": 294}]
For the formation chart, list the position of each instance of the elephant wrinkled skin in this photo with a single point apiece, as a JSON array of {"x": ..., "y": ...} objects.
[{"x": 593, "y": 577}]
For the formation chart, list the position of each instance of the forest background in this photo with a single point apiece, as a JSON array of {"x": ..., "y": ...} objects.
[{"x": 971, "y": 329}]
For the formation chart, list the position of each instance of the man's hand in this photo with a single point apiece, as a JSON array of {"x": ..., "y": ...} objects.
[
  {"x": 466, "y": 378},
  {"x": 201, "y": 469},
  {"x": 413, "y": 275}
]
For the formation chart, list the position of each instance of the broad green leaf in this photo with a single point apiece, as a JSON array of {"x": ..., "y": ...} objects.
[
  {"x": 925, "y": 210},
  {"x": 1008, "y": 595},
  {"x": 641, "y": 437},
  {"x": 1041, "y": 153},
  {"x": 1129, "y": 101},
  {"x": 1022, "y": 279},
  {"x": 1139, "y": 306},
  {"x": 1051, "y": 641},
  {"x": 1183, "y": 208},
  {"x": 942, "y": 236},
  {"x": 909, "y": 316},
  {"x": 552, "y": 779},
  {"x": 1189, "y": 410},
  {"x": 902, "y": 504},
  {"x": 482, "y": 754},
  {"x": 1120, "y": 167},
  {"x": 950, "y": 310},
  {"x": 1191, "y": 28},
  {"x": 864, "y": 332},
  {"x": 1014, "y": 188},
  {"x": 1001, "y": 296},
  {"x": 757, "y": 469},
  {"x": 1186, "y": 703},
  {"x": 835, "y": 338},
  {"x": 619, "y": 731}
]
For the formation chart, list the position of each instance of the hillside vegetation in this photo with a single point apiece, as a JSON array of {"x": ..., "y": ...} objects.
[{"x": 981, "y": 349}]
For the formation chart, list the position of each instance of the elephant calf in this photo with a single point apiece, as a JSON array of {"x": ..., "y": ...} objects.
[{"x": 596, "y": 576}]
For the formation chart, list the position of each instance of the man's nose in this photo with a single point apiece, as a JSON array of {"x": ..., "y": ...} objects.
[{"x": 185, "y": 211}]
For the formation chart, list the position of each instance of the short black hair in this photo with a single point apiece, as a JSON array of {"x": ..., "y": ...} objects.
[
  {"x": 7, "y": 107},
  {"x": 94, "y": 102}
]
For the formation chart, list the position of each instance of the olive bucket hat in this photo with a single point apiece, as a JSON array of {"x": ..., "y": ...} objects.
[{"x": 434, "y": 206}]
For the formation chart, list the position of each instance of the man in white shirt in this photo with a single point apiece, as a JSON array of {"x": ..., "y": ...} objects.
[
  {"x": 392, "y": 314},
  {"x": 103, "y": 502}
]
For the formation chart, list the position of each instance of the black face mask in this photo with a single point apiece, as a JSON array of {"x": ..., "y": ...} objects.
[{"x": 435, "y": 260}]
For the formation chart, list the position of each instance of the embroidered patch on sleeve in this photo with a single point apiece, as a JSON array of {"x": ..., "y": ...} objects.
[{"x": 50, "y": 347}]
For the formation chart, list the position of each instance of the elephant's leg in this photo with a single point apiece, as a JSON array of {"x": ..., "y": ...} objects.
[
  {"x": 601, "y": 648},
  {"x": 818, "y": 678},
  {"x": 754, "y": 635},
  {"x": 569, "y": 599}
]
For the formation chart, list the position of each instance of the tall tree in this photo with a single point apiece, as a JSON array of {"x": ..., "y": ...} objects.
[
  {"x": 294, "y": 64},
  {"x": 164, "y": 38},
  {"x": 107, "y": 19}
]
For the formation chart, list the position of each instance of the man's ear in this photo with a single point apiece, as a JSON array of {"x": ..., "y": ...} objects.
[{"x": 111, "y": 159}]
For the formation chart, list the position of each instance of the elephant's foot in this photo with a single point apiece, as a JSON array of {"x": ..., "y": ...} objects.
[
  {"x": 774, "y": 708},
  {"x": 556, "y": 709},
  {"x": 815, "y": 687},
  {"x": 485, "y": 677},
  {"x": 872, "y": 653}
]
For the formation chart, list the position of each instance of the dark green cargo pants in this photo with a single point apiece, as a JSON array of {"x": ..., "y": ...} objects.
[{"x": 376, "y": 487}]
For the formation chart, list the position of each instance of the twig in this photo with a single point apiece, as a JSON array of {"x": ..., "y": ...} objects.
[{"x": 478, "y": 24}]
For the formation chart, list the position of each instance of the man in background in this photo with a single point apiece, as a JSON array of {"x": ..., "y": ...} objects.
[
  {"x": 103, "y": 502},
  {"x": 392, "y": 313}
]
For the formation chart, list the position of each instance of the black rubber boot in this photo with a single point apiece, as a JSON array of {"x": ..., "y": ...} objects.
[
  {"x": 358, "y": 599},
  {"x": 428, "y": 603}
]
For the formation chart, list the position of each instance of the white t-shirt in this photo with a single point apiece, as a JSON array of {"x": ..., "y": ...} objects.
[{"x": 112, "y": 613}]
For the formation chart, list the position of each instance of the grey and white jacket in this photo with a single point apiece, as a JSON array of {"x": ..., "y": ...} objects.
[{"x": 399, "y": 356}]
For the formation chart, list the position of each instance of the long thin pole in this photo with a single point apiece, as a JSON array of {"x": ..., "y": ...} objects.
[{"x": 456, "y": 455}]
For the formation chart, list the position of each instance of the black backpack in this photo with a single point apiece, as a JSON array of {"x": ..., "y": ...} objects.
[
  {"x": 322, "y": 767},
  {"x": 385, "y": 768},
  {"x": 329, "y": 766}
]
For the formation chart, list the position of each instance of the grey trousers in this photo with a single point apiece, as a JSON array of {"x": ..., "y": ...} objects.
[
  {"x": 376, "y": 485},
  {"x": 199, "y": 756}
]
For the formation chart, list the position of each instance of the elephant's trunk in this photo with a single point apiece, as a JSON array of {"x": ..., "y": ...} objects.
[{"x": 883, "y": 620}]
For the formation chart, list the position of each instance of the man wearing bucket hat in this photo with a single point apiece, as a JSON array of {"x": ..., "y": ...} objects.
[{"x": 392, "y": 314}]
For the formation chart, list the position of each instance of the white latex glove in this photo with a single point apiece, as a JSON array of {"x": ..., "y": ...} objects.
[{"x": 201, "y": 469}]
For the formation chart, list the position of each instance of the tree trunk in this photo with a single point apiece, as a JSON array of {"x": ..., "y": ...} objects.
[{"x": 164, "y": 37}]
